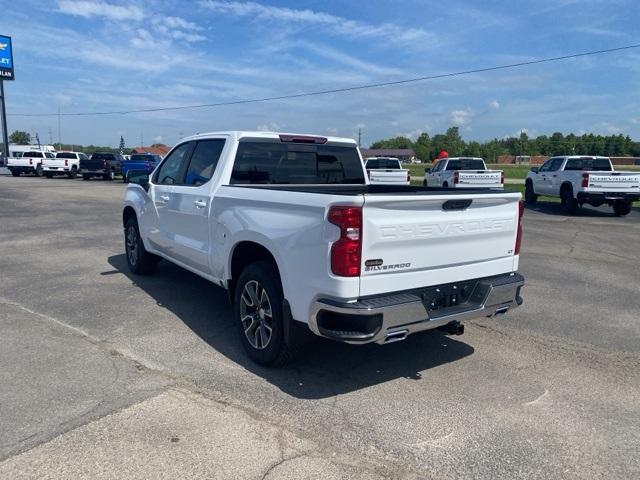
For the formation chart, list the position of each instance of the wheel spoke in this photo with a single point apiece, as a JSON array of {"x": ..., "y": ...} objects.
[{"x": 264, "y": 335}]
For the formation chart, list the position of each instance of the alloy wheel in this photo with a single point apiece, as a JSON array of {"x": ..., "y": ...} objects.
[{"x": 256, "y": 315}]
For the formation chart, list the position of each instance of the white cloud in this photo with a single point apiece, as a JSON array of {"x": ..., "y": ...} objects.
[
  {"x": 90, "y": 9},
  {"x": 494, "y": 104},
  {"x": 335, "y": 24},
  {"x": 157, "y": 139},
  {"x": 348, "y": 60},
  {"x": 461, "y": 117},
  {"x": 635, "y": 121},
  {"x": 614, "y": 129}
]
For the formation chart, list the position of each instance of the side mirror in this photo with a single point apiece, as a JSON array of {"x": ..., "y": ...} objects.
[
  {"x": 534, "y": 169},
  {"x": 427, "y": 170},
  {"x": 139, "y": 177}
]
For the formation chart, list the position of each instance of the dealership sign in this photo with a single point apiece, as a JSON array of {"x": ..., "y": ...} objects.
[{"x": 6, "y": 58}]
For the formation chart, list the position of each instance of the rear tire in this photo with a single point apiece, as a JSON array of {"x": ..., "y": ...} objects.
[
  {"x": 621, "y": 208},
  {"x": 73, "y": 173},
  {"x": 139, "y": 260},
  {"x": 38, "y": 171},
  {"x": 14, "y": 173},
  {"x": 530, "y": 196},
  {"x": 48, "y": 175},
  {"x": 109, "y": 176},
  {"x": 569, "y": 204},
  {"x": 445, "y": 185},
  {"x": 86, "y": 176},
  {"x": 258, "y": 312}
]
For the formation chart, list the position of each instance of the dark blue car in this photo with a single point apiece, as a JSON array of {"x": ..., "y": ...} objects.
[{"x": 140, "y": 161}]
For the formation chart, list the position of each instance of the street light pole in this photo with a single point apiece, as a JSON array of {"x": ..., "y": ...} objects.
[{"x": 5, "y": 134}]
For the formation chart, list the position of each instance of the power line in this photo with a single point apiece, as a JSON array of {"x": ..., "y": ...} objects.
[{"x": 338, "y": 90}]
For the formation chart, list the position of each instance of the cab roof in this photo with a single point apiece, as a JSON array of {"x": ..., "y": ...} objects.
[{"x": 239, "y": 134}]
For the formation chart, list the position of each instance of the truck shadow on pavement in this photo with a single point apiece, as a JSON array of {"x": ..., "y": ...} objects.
[
  {"x": 554, "y": 208},
  {"x": 324, "y": 369}
]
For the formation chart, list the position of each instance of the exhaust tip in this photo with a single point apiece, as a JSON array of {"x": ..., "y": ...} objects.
[
  {"x": 396, "y": 336},
  {"x": 501, "y": 311}
]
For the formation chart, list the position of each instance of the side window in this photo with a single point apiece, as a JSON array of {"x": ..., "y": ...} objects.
[
  {"x": 556, "y": 164},
  {"x": 547, "y": 165},
  {"x": 203, "y": 162},
  {"x": 171, "y": 170},
  {"x": 436, "y": 168}
]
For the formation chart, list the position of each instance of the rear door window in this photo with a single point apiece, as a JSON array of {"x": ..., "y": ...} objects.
[
  {"x": 280, "y": 163},
  {"x": 204, "y": 160}
]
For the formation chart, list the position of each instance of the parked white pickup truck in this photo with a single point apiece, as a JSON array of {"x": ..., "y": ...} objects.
[
  {"x": 29, "y": 162},
  {"x": 64, "y": 163},
  {"x": 386, "y": 171},
  {"x": 462, "y": 172},
  {"x": 290, "y": 226},
  {"x": 578, "y": 180}
]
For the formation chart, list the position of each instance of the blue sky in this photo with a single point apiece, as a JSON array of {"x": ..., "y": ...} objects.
[{"x": 117, "y": 55}]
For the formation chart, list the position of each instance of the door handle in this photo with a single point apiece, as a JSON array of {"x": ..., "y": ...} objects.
[
  {"x": 165, "y": 198},
  {"x": 200, "y": 203}
]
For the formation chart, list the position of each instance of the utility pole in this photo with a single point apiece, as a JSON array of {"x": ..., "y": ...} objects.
[
  {"x": 359, "y": 136},
  {"x": 5, "y": 134},
  {"x": 59, "y": 134}
]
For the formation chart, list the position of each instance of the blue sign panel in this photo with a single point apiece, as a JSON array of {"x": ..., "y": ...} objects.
[{"x": 6, "y": 58}]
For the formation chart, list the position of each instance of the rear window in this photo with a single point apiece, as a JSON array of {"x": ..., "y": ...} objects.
[
  {"x": 65, "y": 155},
  {"x": 103, "y": 156},
  {"x": 597, "y": 164},
  {"x": 466, "y": 164},
  {"x": 387, "y": 163},
  {"x": 277, "y": 163},
  {"x": 32, "y": 154}
]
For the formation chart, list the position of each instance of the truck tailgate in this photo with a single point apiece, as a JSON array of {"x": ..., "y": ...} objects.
[
  {"x": 385, "y": 176},
  {"x": 481, "y": 178},
  {"x": 614, "y": 182},
  {"x": 416, "y": 240}
]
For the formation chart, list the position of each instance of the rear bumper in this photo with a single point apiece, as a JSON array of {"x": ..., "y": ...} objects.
[
  {"x": 21, "y": 169},
  {"x": 97, "y": 171},
  {"x": 602, "y": 197},
  {"x": 381, "y": 319}
]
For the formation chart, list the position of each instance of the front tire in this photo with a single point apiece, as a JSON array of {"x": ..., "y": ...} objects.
[
  {"x": 48, "y": 175},
  {"x": 139, "y": 260},
  {"x": 530, "y": 197},
  {"x": 109, "y": 176},
  {"x": 258, "y": 313},
  {"x": 15, "y": 173},
  {"x": 86, "y": 176},
  {"x": 621, "y": 208},
  {"x": 38, "y": 171},
  {"x": 73, "y": 173}
]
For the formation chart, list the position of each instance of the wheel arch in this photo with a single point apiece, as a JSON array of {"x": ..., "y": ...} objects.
[
  {"x": 127, "y": 213},
  {"x": 243, "y": 254}
]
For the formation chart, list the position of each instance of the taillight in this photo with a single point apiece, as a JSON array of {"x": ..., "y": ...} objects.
[
  {"x": 408, "y": 176},
  {"x": 519, "y": 230},
  {"x": 302, "y": 139},
  {"x": 585, "y": 180},
  {"x": 502, "y": 178},
  {"x": 456, "y": 176},
  {"x": 347, "y": 250},
  {"x": 66, "y": 163},
  {"x": 31, "y": 161}
]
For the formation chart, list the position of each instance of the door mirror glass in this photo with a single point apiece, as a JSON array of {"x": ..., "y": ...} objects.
[
  {"x": 427, "y": 170},
  {"x": 139, "y": 177},
  {"x": 534, "y": 169}
]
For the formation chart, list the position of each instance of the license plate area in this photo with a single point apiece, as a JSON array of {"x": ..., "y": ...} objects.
[{"x": 447, "y": 296}]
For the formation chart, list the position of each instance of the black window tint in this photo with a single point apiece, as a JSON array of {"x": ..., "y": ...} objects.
[
  {"x": 32, "y": 154},
  {"x": 171, "y": 170},
  {"x": 387, "y": 163},
  {"x": 103, "y": 156},
  {"x": 203, "y": 161},
  {"x": 277, "y": 163},
  {"x": 545, "y": 167},
  {"x": 65, "y": 155},
  {"x": 598, "y": 164},
  {"x": 465, "y": 164}
]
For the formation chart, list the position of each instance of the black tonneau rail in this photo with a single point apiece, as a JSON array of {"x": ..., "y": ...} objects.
[{"x": 336, "y": 189}]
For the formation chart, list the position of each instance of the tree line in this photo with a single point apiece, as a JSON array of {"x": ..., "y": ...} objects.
[
  {"x": 19, "y": 137},
  {"x": 427, "y": 147}
]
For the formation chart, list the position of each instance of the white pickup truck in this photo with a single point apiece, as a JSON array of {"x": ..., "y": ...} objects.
[
  {"x": 290, "y": 226},
  {"x": 462, "y": 172},
  {"x": 386, "y": 171},
  {"x": 29, "y": 162},
  {"x": 64, "y": 163},
  {"x": 579, "y": 179}
]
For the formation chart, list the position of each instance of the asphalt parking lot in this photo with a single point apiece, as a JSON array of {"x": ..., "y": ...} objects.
[{"x": 106, "y": 375}]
